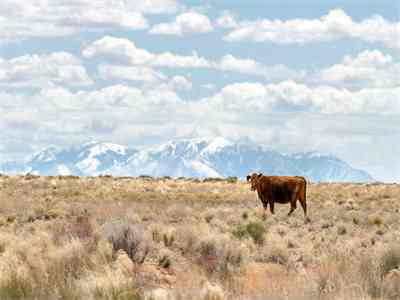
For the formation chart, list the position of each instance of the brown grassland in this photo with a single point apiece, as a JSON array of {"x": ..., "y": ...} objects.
[{"x": 164, "y": 239}]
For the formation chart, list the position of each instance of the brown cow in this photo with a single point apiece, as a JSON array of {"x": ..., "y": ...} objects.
[{"x": 279, "y": 189}]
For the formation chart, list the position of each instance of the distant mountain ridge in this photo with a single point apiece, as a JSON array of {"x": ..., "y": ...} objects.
[{"x": 216, "y": 157}]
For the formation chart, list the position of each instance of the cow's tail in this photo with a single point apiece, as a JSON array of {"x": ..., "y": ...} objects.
[{"x": 303, "y": 202}]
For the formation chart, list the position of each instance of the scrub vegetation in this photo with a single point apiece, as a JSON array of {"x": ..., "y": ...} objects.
[{"x": 145, "y": 238}]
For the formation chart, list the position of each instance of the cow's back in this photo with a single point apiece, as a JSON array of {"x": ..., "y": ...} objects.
[{"x": 280, "y": 188}]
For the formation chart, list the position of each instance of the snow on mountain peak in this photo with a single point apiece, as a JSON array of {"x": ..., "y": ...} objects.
[
  {"x": 312, "y": 154},
  {"x": 97, "y": 148},
  {"x": 217, "y": 144},
  {"x": 91, "y": 162},
  {"x": 46, "y": 155},
  {"x": 182, "y": 147},
  {"x": 104, "y": 147}
]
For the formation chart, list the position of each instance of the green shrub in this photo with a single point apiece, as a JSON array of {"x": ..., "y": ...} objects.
[
  {"x": 232, "y": 179},
  {"x": 240, "y": 231},
  {"x": 213, "y": 179},
  {"x": 256, "y": 230}
]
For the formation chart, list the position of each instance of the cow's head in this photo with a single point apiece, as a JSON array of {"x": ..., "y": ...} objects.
[{"x": 253, "y": 180}]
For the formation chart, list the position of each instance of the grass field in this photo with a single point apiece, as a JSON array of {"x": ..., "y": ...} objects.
[{"x": 141, "y": 238}]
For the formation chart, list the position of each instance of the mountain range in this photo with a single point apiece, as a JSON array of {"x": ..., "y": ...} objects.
[{"x": 200, "y": 158}]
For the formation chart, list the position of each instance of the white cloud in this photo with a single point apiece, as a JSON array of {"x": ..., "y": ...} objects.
[
  {"x": 41, "y": 70},
  {"x": 186, "y": 23},
  {"x": 180, "y": 83},
  {"x": 171, "y": 60},
  {"x": 227, "y": 20},
  {"x": 158, "y": 103},
  {"x": 123, "y": 51},
  {"x": 240, "y": 102},
  {"x": 333, "y": 26},
  {"x": 131, "y": 73},
  {"x": 288, "y": 96},
  {"x": 246, "y": 66},
  {"x": 59, "y": 116},
  {"x": 252, "y": 67},
  {"x": 117, "y": 103},
  {"x": 48, "y": 18},
  {"x": 156, "y": 6},
  {"x": 368, "y": 68}
]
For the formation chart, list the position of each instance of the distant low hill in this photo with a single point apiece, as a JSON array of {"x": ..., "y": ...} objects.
[{"x": 216, "y": 157}]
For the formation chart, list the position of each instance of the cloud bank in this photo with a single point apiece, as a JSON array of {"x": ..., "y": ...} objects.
[{"x": 335, "y": 25}]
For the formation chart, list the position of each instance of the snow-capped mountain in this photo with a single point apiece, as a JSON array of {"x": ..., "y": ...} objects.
[
  {"x": 93, "y": 158},
  {"x": 215, "y": 157}
]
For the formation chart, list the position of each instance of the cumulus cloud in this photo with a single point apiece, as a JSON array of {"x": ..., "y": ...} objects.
[
  {"x": 288, "y": 96},
  {"x": 51, "y": 108},
  {"x": 368, "y": 68},
  {"x": 227, "y": 20},
  {"x": 155, "y": 7},
  {"x": 48, "y": 18},
  {"x": 123, "y": 51},
  {"x": 41, "y": 70},
  {"x": 59, "y": 116},
  {"x": 186, "y": 23},
  {"x": 252, "y": 67},
  {"x": 180, "y": 83},
  {"x": 241, "y": 102},
  {"x": 333, "y": 26},
  {"x": 130, "y": 73}
]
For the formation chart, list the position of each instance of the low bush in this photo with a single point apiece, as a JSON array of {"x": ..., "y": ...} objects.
[
  {"x": 255, "y": 230},
  {"x": 240, "y": 231},
  {"x": 232, "y": 179},
  {"x": 220, "y": 255},
  {"x": 124, "y": 236}
]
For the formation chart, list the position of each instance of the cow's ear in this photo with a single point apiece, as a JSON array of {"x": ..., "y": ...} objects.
[
  {"x": 248, "y": 177},
  {"x": 259, "y": 175}
]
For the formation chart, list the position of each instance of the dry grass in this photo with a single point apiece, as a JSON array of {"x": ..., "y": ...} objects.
[{"x": 140, "y": 238}]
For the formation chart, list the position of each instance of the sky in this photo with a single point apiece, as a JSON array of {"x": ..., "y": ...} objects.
[{"x": 291, "y": 75}]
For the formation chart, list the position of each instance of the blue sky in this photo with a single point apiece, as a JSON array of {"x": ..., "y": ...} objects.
[{"x": 291, "y": 75}]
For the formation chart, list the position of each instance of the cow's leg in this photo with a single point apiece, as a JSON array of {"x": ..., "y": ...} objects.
[
  {"x": 304, "y": 206},
  {"x": 293, "y": 204},
  {"x": 271, "y": 206},
  {"x": 265, "y": 203}
]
